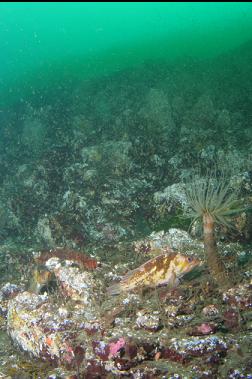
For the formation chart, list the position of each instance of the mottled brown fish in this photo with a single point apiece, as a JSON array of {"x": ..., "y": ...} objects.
[
  {"x": 165, "y": 269},
  {"x": 82, "y": 259},
  {"x": 40, "y": 280}
]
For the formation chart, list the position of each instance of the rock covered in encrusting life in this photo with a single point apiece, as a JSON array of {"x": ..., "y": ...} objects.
[
  {"x": 148, "y": 321},
  {"x": 210, "y": 311},
  {"x": 9, "y": 291},
  {"x": 182, "y": 350},
  {"x": 75, "y": 284},
  {"x": 55, "y": 332},
  {"x": 239, "y": 297},
  {"x": 173, "y": 239}
]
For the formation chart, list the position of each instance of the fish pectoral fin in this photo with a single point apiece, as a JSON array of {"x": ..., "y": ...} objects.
[{"x": 174, "y": 280}]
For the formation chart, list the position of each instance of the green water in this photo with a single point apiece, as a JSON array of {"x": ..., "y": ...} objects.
[{"x": 92, "y": 39}]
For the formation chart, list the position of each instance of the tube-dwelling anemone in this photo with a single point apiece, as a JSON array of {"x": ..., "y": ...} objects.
[{"x": 212, "y": 200}]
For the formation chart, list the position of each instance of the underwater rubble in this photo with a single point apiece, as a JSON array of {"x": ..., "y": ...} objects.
[{"x": 79, "y": 331}]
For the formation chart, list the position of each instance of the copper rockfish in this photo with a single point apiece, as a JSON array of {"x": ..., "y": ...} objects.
[{"x": 165, "y": 269}]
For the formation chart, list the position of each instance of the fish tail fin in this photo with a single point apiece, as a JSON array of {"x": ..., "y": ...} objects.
[{"x": 115, "y": 289}]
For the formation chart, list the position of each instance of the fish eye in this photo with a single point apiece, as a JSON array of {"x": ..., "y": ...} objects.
[{"x": 190, "y": 259}]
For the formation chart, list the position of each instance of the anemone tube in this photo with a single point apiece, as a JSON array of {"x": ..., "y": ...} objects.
[{"x": 212, "y": 200}]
